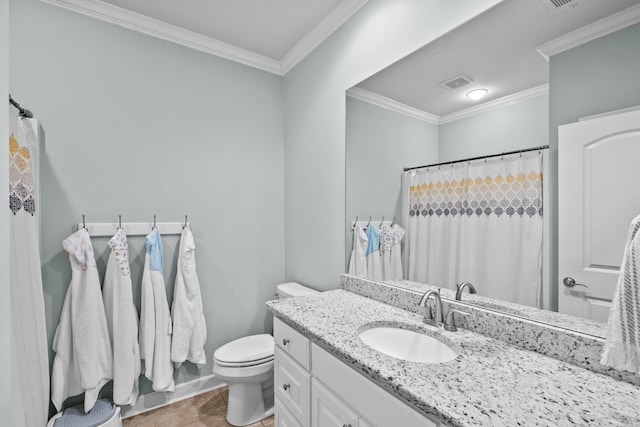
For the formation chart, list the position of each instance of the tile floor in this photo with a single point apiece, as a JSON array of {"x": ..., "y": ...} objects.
[{"x": 208, "y": 409}]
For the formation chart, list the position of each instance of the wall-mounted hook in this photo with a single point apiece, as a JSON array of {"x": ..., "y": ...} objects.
[
  {"x": 119, "y": 222},
  {"x": 369, "y": 221},
  {"x": 84, "y": 224},
  {"x": 185, "y": 222},
  {"x": 394, "y": 221},
  {"x": 381, "y": 221},
  {"x": 154, "y": 223}
]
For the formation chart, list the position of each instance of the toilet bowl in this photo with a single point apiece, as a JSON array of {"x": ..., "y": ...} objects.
[{"x": 246, "y": 366}]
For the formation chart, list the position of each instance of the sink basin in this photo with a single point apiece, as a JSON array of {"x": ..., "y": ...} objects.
[{"x": 407, "y": 345}]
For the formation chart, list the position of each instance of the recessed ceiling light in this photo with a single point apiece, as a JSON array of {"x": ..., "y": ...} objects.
[{"x": 477, "y": 93}]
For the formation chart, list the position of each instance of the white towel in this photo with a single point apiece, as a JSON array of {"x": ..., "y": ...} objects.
[
  {"x": 396, "y": 253},
  {"x": 155, "y": 320},
  {"x": 622, "y": 348},
  {"x": 122, "y": 320},
  {"x": 189, "y": 327},
  {"x": 357, "y": 262},
  {"x": 83, "y": 361}
]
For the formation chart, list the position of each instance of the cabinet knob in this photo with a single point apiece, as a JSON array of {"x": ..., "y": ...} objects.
[
  {"x": 285, "y": 341},
  {"x": 286, "y": 387}
]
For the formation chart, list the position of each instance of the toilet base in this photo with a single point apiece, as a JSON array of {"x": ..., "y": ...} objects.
[{"x": 250, "y": 402}]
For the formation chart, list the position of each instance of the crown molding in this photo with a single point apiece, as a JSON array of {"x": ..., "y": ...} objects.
[
  {"x": 390, "y": 104},
  {"x": 320, "y": 33},
  {"x": 600, "y": 28},
  {"x": 155, "y": 28},
  {"x": 398, "y": 107},
  {"x": 505, "y": 101}
]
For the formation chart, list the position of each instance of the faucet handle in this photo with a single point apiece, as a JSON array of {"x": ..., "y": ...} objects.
[
  {"x": 428, "y": 313},
  {"x": 450, "y": 323}
]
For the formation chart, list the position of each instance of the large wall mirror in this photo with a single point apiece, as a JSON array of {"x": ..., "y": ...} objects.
[{"x": 417, "y": 112}]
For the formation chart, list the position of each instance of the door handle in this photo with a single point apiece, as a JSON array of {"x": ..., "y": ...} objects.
[{"x": 570, "y": 282}]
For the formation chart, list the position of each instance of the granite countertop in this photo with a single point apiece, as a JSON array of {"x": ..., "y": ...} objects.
[{"x": 491, "y": 383}]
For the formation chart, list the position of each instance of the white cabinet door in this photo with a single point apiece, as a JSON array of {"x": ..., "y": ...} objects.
[
  {"x": 599, "y": 195},
  {"x": 283, "y": 418},
  {"x": 292, "y": 387},
  {"x": 327, "y": 410}
]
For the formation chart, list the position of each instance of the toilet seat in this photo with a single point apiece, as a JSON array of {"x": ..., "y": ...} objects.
[
  {"x": 247, "y": 351},
  {"x": 244, "y": 364}
]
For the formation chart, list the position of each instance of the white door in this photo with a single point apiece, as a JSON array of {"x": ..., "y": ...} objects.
[{"x": 598, "y": 196}]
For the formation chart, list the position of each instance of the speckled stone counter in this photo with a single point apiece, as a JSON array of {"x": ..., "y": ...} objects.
[
  {"x": 517, "y": 325},
  {"x": 491, "y": 383}
]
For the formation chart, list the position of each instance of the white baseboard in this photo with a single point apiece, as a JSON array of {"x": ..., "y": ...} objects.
[{"x": 154, "y": 400}]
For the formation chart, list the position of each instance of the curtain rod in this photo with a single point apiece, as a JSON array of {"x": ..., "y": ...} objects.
[
  {"x": 23, "y": 112},
  {"x": 506, "y": 153}
]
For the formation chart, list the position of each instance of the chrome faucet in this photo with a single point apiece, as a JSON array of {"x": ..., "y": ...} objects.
[
  {"x": 461, "y": 287},
  {"x": 429, "y": 317}
]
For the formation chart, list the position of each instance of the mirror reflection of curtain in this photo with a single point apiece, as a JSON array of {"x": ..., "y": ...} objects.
[
  {"x": 480, "y": 222},
  {"x": 29, "y": 355}
]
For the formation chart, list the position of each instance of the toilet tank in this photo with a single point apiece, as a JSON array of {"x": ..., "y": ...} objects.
[{"x": 293, "y": 289}]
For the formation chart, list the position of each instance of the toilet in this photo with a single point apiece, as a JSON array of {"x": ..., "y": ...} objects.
[
  {"x": 246, "y": 365},
  {"x": 103, "y": 414}
]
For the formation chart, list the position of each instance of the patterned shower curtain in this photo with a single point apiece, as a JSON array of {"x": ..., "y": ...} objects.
[
  {"x": 29, "y": 355},
  {"x": 479, "y": 222}
]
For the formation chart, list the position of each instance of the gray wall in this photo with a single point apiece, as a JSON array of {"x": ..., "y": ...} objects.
[
  {"x": 513, "y": 127},
  {"x": 382, "y": 32},
  {"x": 593, "y": 78},
  {"x": 379, "y": 144},
  {"x": 5, "y": 346},
  {"x": 138, "y": 126}
]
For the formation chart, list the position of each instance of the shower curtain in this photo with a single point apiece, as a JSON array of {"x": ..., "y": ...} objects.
[
  {"x": 479, "y": 222},
  {"x": 29, "y": 355}
]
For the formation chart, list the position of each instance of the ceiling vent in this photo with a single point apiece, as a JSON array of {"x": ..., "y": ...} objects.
[
  {"x": 456, "y": 82},
  {"x": 559, "y": 6}
]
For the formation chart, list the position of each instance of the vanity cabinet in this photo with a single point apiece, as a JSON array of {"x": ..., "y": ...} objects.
[{"x": 315, "y": 389}]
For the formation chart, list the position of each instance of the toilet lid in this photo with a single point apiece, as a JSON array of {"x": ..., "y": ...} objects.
[{"x": 247, "y": 349}]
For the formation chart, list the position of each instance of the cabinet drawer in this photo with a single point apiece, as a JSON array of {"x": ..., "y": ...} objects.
[
  {"x": 291, "y": 342},
  {"x": 292, "y": 387},
  {"x": 284, "y": 418}
]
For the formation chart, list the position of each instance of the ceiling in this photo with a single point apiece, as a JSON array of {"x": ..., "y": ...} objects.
[{"x": 496, "y": 49}]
